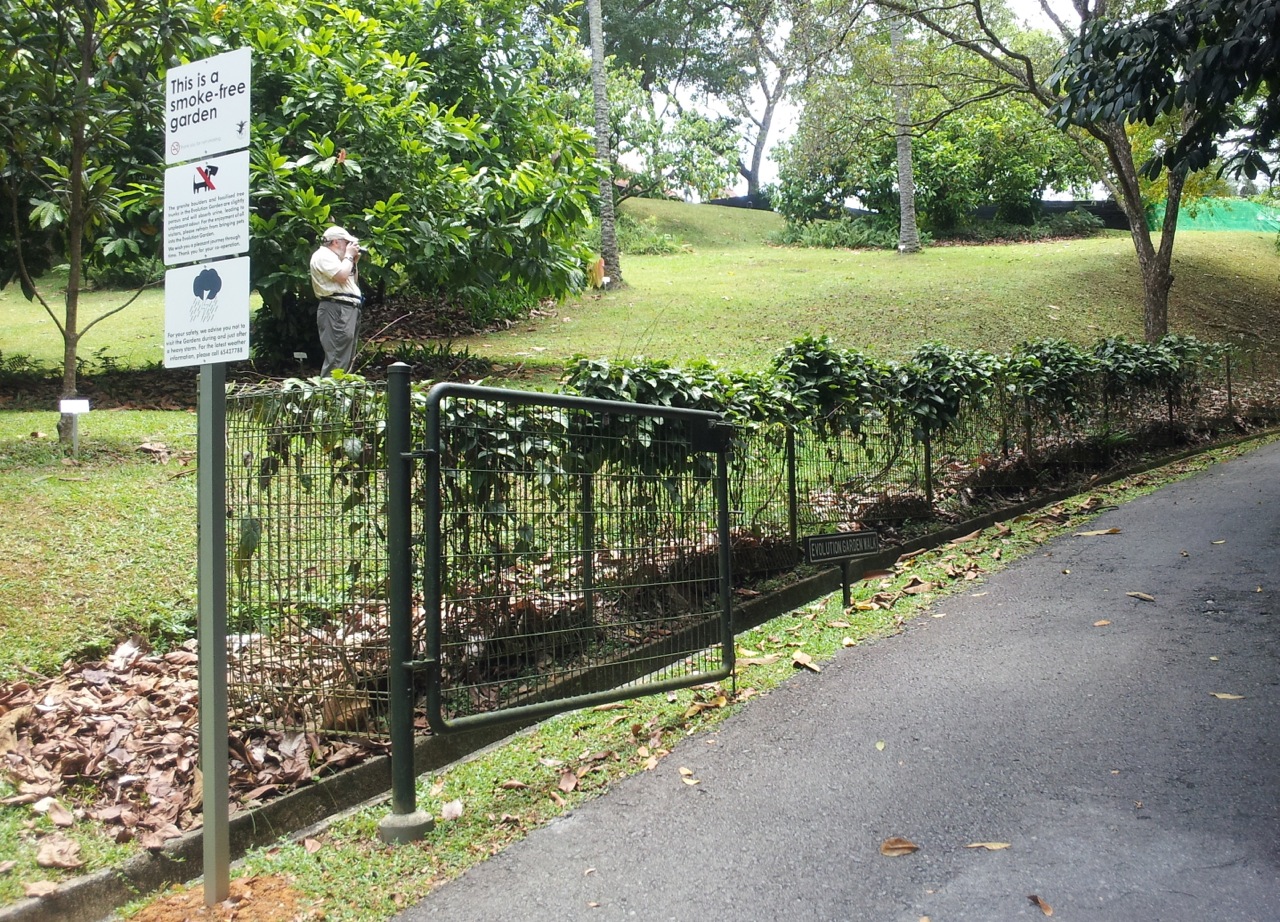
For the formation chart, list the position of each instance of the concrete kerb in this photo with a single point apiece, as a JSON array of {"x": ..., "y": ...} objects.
[{"x": 96, "y": 896}]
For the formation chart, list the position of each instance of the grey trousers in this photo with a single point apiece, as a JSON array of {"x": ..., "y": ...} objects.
[{"x": 339, "y": 325}]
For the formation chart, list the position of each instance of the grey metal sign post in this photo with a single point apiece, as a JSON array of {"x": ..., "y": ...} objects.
[
  {"x": 212, "y": 631},
  {"x": 206, "y": 307}
]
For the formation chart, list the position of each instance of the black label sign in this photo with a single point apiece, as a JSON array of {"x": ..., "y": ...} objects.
[{"x": 841, "y": 546}]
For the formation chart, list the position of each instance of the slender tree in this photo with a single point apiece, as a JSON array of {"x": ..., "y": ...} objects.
[
  {"x": 908, "y": 232},
  {"x": 599, "y": 91},
  {"x": 79, "y": 80},
  {"x": 973, "y": 26},
  {"x": 778, "y": 45}
]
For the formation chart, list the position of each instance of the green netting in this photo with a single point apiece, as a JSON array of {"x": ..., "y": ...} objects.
[{"x": 1233, "y": 214}]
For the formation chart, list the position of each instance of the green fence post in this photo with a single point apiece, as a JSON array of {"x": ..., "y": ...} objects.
[
  {"x": 726, "y": 561},
  {"x": 589, "y": 545},
  {"x": 405, "y": 823},
  {"x": 793, "y": 511},
  {"x": 1230, "y": 408},
  {"x": 928, "y": 468}
]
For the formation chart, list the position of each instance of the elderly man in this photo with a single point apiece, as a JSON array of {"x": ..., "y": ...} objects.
[{"x": 334, "y": 278}]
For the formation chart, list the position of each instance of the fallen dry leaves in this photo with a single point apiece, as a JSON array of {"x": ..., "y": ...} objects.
[
  {"x": 58, "y": 851},
  {"x": 128, "y": 727},
  {"x": 897, "y": 846},
  {"x": 1041, "y": 904}
]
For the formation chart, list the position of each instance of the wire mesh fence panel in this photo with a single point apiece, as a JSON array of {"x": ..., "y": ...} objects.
[
  {"x": 848, "y": 480},
  {"x": 573, "y": 552},
  {"x": 307, "y": 569},
  {"x": 762, "y": 502}
]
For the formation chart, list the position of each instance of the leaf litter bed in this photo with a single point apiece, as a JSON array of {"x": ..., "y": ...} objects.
[{"x": 116, "y": 743}]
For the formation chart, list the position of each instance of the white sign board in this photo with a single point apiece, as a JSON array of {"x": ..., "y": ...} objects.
[
  {"x": 206, "y": 107},
  {"x": 206, "y": 209},
  {"x": 206, "y": 313}
]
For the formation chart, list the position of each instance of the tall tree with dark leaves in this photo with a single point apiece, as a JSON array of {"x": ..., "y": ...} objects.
[
  {"x": 985, "y": 30},
  {"x": 1215, "y": 63}
]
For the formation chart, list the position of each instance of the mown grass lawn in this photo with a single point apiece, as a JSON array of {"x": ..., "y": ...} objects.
[
  {"x": 739, "y": 305},
  {"x": 98, "y": 547},
  {"x": 735, "y": 299}
]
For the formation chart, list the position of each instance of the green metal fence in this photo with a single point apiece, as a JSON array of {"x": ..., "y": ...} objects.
[
  {"x": 575, "y": 551},
  {"x": 563, "y": 550},
  {"x": 307, "y": 571}
]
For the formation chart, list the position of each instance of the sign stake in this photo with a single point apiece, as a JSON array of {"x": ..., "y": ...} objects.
[{"x": 212, "y": 628}]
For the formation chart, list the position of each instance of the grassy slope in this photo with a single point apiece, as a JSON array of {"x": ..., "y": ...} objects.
[
  {"x": 134, "y": 336},
  {"x": 737, "y": 300}
]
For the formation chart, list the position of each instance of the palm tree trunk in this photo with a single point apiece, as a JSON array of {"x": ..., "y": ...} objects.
[
  {"x": 599, "y": 88},
  {"x": 908, "y": 232}
]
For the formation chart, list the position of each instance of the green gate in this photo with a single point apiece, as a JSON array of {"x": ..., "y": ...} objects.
[{"x": 573, "y": 552}]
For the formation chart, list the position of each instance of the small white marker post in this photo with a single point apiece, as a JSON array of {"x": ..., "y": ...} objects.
[{"x": 73, "y": 408}]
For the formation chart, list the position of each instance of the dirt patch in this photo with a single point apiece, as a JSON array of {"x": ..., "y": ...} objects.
[{"x": 252, "y": 899}]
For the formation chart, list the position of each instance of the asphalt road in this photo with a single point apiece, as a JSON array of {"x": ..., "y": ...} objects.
[{"x": 1125, "y": 789}]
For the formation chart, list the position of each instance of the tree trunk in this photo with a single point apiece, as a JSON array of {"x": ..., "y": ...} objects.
[
  {"x": 1155, "y": 263},
  {"x": 908, "y": 232},
  {"x": 76, "y": 221},
  {"x": 604, "y": 156},
  {"x": 764, "y": 126}
]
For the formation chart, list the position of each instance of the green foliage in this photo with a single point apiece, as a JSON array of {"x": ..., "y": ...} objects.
[
  {"x": 659, "y": 153},
  {"x": 1051, "y": 375},
  {"x": 817, "y": 385},
  {"x": 648, "y": 381},
  {"x": 833, "y": 390},
  {"x": 1078, "y": 223},
  {"x": 672, "y": 43},
  {"x": 80, "y": 118},
  {"x": 1213, "y": 64},
  {"x": 437, "y": 361},
  {"x": 937, "y": 383},
  {"x": 997, "y": 152},
  {"x": 643, "y": 237},
  {"x": 429, "y": 129},
  {"x": 860, "y": 232}
]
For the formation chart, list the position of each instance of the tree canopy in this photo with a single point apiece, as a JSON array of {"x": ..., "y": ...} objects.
[
  {"x": 80, "y": 104},
  {"x": 974, "y": 143},
  {"x": 1214, "y": 63}
]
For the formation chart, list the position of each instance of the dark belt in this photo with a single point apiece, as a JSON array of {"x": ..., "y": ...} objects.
[{"x": 345, "y": 299}]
